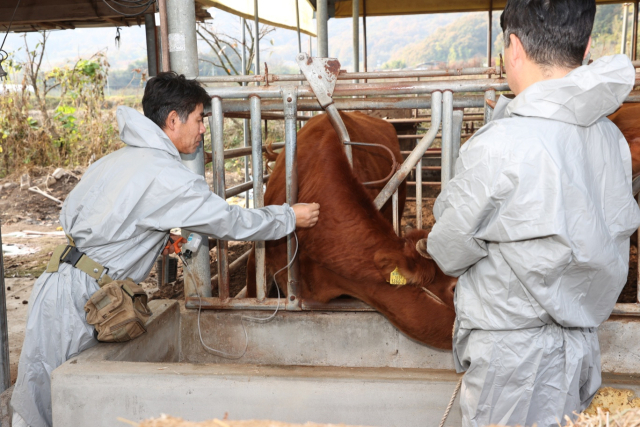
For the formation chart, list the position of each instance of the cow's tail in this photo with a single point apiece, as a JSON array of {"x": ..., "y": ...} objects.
[{"x": 269, "y": 155}]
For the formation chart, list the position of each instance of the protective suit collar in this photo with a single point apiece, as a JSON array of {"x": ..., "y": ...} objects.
[
  {"x": 137, "y": 130},
  {"x": 582, "y": 97}
]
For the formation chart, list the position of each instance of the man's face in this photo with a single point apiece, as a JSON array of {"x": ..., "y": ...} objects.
[{"x": 189, "y": 134}]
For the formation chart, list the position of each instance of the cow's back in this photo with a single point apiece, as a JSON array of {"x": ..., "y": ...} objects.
[{"x": 322, "y": 161}]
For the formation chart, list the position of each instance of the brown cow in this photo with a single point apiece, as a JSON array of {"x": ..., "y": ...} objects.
[
  {"x": 627, "y": 119},
  {"x": 353, "y": 249}
]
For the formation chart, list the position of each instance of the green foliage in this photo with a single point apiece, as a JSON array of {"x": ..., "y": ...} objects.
[
  {"x": 466, "y": 39},
  {"x": 75, "y": 131},
  {"x": 394, "y": 64}
]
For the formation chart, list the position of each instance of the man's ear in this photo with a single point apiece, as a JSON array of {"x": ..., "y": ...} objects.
[
  {"x": 172, "y": 118},
  {"x": 588, "y": 49},
  {"x": 517, "y": 51}
]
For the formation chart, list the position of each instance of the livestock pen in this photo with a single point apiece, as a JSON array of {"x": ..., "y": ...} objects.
[{"x": 340, "y": 362}]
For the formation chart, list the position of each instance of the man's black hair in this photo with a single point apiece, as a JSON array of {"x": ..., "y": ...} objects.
[
  {"x": 553, "y": 32},
  {"x": 168, "y": 92}
]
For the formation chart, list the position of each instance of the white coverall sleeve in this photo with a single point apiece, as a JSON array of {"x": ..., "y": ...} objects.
[
  {"x": 462, "y": 208},
  {"x": 187, "y": 202}
]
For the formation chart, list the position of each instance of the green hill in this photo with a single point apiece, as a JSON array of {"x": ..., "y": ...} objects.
[{"x": 464, "y": 41}]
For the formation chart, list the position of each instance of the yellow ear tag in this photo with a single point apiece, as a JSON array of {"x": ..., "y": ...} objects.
[{"x": 397, "y": 278}]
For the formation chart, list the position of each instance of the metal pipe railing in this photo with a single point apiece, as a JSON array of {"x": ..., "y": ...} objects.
[
  {"x": 368, "y": 89},
  {"x": 272, "y": 78},
  {"x": 241, "y": 188},
  {"x": 447, "y": 137},
  {"x": 5, "y": 374},
  {"x": 233, "y": 100},
  {"x": 217, "y": 143},
  {"x": 416, "y": 154},
  {"x": 290, "y": 97},
  {"x": 390, "y": 103},
  {"x": 258, "y": 193},
  {"x": 239, "y": 152}
]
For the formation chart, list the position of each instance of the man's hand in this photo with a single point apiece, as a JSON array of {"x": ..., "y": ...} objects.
[
  {"x": 306, "y": 214},
  {"x": 170, "y": 248}
]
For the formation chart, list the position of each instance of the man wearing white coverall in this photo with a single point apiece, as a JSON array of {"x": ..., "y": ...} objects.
[
  {"x": 536, "y": 223},
  {"x": 120, "y": 215}
]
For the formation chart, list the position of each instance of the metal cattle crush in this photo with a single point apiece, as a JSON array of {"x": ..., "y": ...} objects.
[{"x": 447, "y": 93}]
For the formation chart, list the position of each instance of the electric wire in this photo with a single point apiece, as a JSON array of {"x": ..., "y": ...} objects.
[
  {"x": 243, "y": 317},
  {"x": 4, "y": 55}
]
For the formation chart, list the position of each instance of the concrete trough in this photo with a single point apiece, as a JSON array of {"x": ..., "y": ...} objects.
[{"x": 351, "y": 368}]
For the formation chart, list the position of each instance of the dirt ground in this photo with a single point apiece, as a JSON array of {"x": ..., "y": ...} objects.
[{"x": 30, "y": 227}]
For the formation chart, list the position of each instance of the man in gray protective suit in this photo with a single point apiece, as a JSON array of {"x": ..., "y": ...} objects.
[
  {"x": 120, "y": 215},
  {"x": 536, "y": 223}
]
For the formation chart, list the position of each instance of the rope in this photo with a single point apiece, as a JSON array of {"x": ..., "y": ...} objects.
[{"x": 453, "y": 397}]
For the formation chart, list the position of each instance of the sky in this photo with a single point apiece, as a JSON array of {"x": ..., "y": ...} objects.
[{"x": 280, "y": 46}]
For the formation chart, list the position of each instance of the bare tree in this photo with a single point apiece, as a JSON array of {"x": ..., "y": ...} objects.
[
  {"x": 228, "y": 49},
  {"x": 32, "y": 72}
]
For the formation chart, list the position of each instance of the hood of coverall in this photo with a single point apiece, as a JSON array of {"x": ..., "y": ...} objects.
[
  {"x": 137, "y": 130},
  {"x": 582, "y": 97}
]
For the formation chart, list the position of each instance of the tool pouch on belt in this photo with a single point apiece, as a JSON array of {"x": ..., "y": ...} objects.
[{"x": 118, "y": 311}]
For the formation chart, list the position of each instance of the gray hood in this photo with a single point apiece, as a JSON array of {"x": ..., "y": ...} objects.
[
  {"x": 582, "y": 97},
  {"x": 137, "y": 130}
]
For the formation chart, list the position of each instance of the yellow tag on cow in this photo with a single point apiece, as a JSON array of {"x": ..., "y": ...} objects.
[{"x": 397, "y": 278}]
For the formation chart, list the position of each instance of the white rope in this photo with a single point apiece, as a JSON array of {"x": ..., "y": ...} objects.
[{"x": 446, "y": 412}]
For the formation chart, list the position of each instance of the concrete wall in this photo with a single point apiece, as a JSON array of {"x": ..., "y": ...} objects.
[{"x": 352, "y": 368}]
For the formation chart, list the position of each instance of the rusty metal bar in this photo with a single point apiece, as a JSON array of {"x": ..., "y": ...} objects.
[
  {"x": 350, "y": 304},
  {"x": 212, "y": 303},
  {"x": 416, "y": 154},
  {"x": 489, "y": 33},
  {"x": 355, "y": 19},
  {"x": 364, "y": 34},
  {"x": 164, "y": 34},
  {"x": 634, "y": 32},
  {"x": 621, "y": 309},
  {"x": 239, "y": 152},
  {"x": 488, "y": 111},
  {"x": 241, "y": 188},
  {"x": 258, "y": 192},
  {"x": 271, "y": 303},
  {"x": 368, "y": 89},
  {"x": 267, "y": 116},
  {"x": 422, "y": 102},
  {"x": 5, "y": 374},
  {"x": 235, "y": 265},
  {"x": 290, "y": 98},
  {"x": 341, "y": 130},
  {"x": 256, "y": 39},
  {"x": 217, "y": 143},
  {"x": 403, "y": 74}
]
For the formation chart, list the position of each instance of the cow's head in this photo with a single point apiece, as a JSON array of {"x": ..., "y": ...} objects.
[{"x": 410, "y": 261}]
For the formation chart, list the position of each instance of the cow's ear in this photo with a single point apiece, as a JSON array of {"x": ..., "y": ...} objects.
[{"x": 387, "y": 261}]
